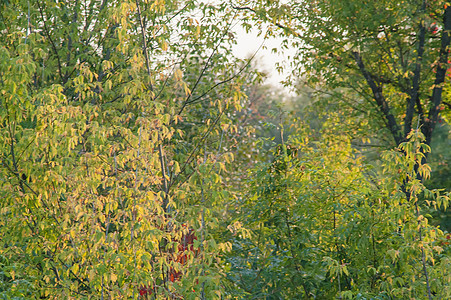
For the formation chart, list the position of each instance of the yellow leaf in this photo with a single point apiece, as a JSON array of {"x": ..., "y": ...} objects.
[
  {"x": 75, "y": 268},
  {"x": 176, "y": 167},
  {"x": 91, "y": 274},
  {"x": 164, "y": 46},
  {"x": 187, "y": 90},
  {"x": 178, "y": 74}
]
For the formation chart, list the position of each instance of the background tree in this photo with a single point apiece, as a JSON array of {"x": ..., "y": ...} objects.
[
  {"x": 317, "y": 222},
  {"x": 389, "y": 58},
  {"x": 384, "y": 63}
]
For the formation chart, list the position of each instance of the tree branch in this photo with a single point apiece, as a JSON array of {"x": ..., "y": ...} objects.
[
  {"x": 414, "y": 92},
  {"x": 144, "y": 45},
  {"x": 379, "y": 98},
  {"x": 187, "y": 100},
  {"x": 47, "y": 33},
  {"x": 285, "y": 28},
  {"x": 436, "y": 98}
]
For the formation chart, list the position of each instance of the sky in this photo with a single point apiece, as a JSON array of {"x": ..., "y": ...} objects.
[{"x": 248, "y": 43}]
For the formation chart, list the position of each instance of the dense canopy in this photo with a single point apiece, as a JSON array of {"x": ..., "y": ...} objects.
[{"x": 141, "y": 159}]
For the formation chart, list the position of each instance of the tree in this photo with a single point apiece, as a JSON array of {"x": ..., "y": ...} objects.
[
  {"x": 384, "y": 64},
  {"x": 98, "y": 143},
  {"x": 390, "y": 58},
  {"x": 119, "y": 124},
  {"x": 317, "y": 222}
]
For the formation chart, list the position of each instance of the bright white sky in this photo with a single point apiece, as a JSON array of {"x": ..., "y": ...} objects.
[{"x": 248, "y": 43}]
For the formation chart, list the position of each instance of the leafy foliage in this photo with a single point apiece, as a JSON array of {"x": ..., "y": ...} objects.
[
  {"x": 323, "y": 224},
  {"x": 135, "y": 163},
  {"x": 98, "y": 144}
]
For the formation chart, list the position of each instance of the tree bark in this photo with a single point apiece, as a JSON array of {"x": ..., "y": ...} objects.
[
  {"x": 436, "y": 98},
  {"x": 380, "y": 99}
]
